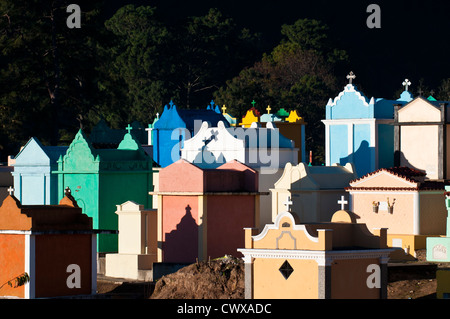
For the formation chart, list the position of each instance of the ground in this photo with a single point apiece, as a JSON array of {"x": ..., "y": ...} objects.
[{"x": 224, "y": 279}]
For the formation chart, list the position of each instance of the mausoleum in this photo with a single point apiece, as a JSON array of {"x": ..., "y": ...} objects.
[
  {"x": 360, "y": 130},
  {"x": 35, "y": 182},
  {"x": 340, "y": 259},
  {"x": 402, "y": 200},
  {"x": 100, "y": 178},
  {"x": 177, "y": 125},
  {"x": 53, "y": 245},
  {"x": 314, "y": 190},
  {"x": 202, "y": 212}
]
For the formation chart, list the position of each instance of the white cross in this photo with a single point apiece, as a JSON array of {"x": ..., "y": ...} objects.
[
  {"x": 350, "y": 77},
  {"x": 10, "y": 190},
  {"x": 288, "y": 203},
  {"x": 342, "y": 202},
  {"x": 406, "y": 83}
]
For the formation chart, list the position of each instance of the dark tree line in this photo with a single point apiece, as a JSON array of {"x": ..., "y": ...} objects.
[{"x": 55, "y": 80}]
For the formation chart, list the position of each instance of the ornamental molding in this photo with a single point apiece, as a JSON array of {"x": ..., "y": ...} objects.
[
  {"x": 350, "y": 88},
  {"x": 323, "y": 258}
]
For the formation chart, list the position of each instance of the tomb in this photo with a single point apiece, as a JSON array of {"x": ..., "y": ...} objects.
[
  {"x": 438, "y": 248},
  {"x": 313, "y": 190},
  {"x": 359, "y": 130},
  {"x": 103, "y": 136},
  {"x": 52, "y": 245},
  {"x": 338, "y": 259},
  {"x": 270, "y": 117},
  {"x": 100, "y": 178},
  {"x": 202, "y": 212},
  {"x": 231, "y": 120},
  {"x": 34, "y": 180},
  {"x": 252, "y": 116},
  {"x": 402, "y": 200},
  {"x": 293, "y": 128},
  {"x": 421, "y": 136},
  {"x": 137, "y": 243},
  {"x": 177, "y": 125},
  {"x": 262, "y": 149}
]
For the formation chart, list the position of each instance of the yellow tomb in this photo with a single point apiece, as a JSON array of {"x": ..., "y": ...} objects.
[{"x": 333, "y": 260}]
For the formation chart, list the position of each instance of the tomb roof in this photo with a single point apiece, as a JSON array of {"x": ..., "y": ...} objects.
[
  {"x": 65, "y": 216},
  {"x": 172, "y": 117},
  {"x": 414, "y": 178}
]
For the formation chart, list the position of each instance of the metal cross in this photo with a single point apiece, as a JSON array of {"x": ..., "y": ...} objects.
[
  {"x": 224, "y": 109},
  {"x": 253, "y": 103},
  {"x": 406, "y": 84},
  {"x": 351, "y": 76},
  {"x": 268, "y": 109},
  {"x": 288, "y": 203},
  {"x": 10, "y": 190},
  {"x": 342, "y": 202},
  {"x": 171, "y": 103}
]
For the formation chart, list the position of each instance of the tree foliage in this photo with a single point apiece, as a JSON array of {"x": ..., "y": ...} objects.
[
  {"x": 298, "y": 74},
  {"x": 46, "y": 70}
]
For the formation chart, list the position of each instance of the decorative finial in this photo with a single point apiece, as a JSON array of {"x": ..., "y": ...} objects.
[
  {"x": 406, "y": 84},
  {"x": 129, "y": 128},
  {"x": 288, "y": 203},
  {"x": 11, "y": 191},
  {"x": 342, "y": 202},
  {"x": 351, "y": 76},
  {"x": 171, "y": 103},
  {"x": 268, "y": 109}
]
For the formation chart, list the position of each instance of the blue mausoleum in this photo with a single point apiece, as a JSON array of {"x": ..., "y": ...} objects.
[
  {"x": 359, "y": 130},
  {"x": 34, "y": 182},
  {"x": 176, "y": 125}
]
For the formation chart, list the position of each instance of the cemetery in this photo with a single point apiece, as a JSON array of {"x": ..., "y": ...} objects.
[{"x": 201, "y": 204}]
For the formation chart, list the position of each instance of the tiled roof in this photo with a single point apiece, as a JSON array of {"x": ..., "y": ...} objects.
[{"x": 408, "y": 174}]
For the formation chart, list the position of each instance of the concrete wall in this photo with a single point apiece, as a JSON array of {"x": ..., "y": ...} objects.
[
  {"x": 12, "y": 263},
  {"x": 419, "y": 148},
  {"x": 54, "y": 253},
  {"x": 269, "y": 283}
]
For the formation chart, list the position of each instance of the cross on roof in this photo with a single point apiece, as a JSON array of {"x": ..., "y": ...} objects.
[
  {"x": 342, "y": 202},
  {"x": 253, "y": 103},
  {"x": 406, "y": 84},
  {"x": 224, "y": 108},
  {"x": 268, "y": 109},
  {"x": 171, "y": 103},
  {"x": 420, "y": 91},
  {"x": 129, "y": 128},
  {"x": 288, "y": 203},
  {"x": 212, "y": 104},
  {"x": 10, "y": 190},
  {"x": 351, "y": 76}
]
